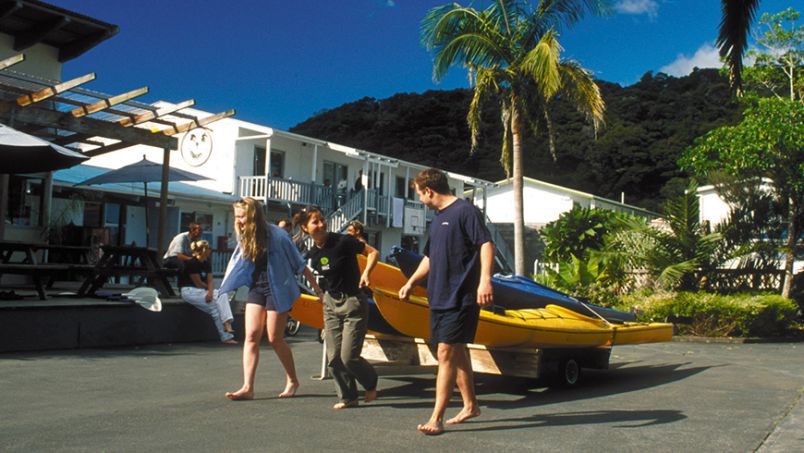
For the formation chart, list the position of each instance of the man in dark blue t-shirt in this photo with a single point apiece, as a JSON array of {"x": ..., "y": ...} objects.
[{"x": 458, "y": 263}]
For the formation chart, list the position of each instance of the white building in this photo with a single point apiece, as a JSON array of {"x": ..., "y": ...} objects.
[{"x": 297, "y": 171}]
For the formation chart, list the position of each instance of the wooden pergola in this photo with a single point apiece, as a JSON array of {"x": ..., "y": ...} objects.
[{"x": 91, "y": 122}]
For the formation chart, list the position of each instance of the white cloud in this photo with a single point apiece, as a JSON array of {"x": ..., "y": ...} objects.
[
  {"x": 705, "y": 57},
  {"x": 636, "y": 7}
]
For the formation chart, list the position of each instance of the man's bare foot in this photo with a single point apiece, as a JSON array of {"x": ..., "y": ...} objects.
[
  {"x": 431, "y": 428},
  {"x": 290, "y": 390},
  {"x": 342, "y": 405},
  {"x": 240, "y": 395},
  {"x": 463, "y": 415},
  {"x": 229, "y": 341},
  {"x": 227, "y": 326},
  {"x": 370, "y": 396}
]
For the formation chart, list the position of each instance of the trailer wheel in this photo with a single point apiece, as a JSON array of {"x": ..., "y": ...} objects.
[{"x": 569, "y": 372}]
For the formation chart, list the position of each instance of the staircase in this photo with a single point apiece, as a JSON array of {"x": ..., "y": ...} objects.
[{"x": 503, "y": 257}]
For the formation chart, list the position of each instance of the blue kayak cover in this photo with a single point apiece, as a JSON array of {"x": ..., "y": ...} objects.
[{"x": 514, "y": 292}]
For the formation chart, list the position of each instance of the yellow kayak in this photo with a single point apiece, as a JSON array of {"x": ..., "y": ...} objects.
[
  {"x": 308, "y": 310},
  {"x": 550, "y": 327}
]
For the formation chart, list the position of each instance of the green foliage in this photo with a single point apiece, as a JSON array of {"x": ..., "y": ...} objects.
[
  {"x": 576, "y": 232},
  {"x": 717, "y": 315},
  {"x": 587, "y": 278},
  {"x": 768, "y": 143},
  {"x": 778, "y": 69}
]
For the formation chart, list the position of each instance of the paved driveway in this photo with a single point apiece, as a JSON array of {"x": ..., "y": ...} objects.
[{"x": 662, "y": 397}]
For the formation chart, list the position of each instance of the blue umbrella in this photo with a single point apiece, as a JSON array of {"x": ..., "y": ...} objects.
[
  {"x": 23, "y": 153},
  {"x": 143, "y": 171}
]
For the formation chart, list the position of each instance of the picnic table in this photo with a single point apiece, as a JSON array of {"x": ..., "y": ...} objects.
[
  {"x": 141, "y": 264},
  {"x": 21, "y": 258}
]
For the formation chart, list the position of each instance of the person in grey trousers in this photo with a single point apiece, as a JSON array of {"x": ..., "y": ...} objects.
[{"x": 346, "y": 307}]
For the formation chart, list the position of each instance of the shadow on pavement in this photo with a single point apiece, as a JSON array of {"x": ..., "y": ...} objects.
[
  {"x": 595, "y": 384},
  {"x": 623, "y": 418}
]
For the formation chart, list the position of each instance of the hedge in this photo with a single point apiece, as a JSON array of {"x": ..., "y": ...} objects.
[{"x": 708, "y": 314}]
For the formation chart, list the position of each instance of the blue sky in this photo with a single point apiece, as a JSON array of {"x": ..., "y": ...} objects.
[{"x": 277, "y": 62}]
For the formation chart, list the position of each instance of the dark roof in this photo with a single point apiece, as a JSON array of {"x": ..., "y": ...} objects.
[{"x": 31, "y": 22}]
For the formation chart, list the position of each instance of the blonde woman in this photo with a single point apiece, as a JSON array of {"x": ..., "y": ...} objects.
[
  {"x": 267, "y": 261},
  {"x": 197, "y": 288}
]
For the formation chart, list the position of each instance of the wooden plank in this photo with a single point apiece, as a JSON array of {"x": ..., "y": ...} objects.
[
  {"x": 45, "y": 93},
  {"x": 406, "y": 351},
  {"x": 106, "y": 103},
  {"x": 108, "y": 149},
  {"x": 11, "y": 61},
  {"x": 86, "y": 125},
  {"x": 151, "y": 115},
  {"x": 198, "y": 123}
]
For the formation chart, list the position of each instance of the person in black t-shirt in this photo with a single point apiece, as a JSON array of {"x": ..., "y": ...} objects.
[
  {"x": 197, "y": 288},
  {"x": 345, "y": 306}
]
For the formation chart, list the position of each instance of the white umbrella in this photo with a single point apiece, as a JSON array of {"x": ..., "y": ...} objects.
[{"x": 24, "y": 153}]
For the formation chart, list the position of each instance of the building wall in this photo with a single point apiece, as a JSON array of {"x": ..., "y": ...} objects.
[
  {"x": 541, "y": 206},
  {"x": 41, "y": 60}
]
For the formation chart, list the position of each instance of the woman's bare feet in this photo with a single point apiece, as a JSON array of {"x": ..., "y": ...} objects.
[
  {"x": 431, "y": 428},
  {"x": 241, "y": 395},
  {"x": 463, "y": 415},
  {"x": 339, "y": 406},
  {"x": 370, "y": 396},
  {"x": 290, "y": 390},
  {"x": 229, "y": 341}
]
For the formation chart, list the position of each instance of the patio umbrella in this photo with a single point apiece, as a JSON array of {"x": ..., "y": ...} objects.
[
  {"x": 24, "y": 153},
  {"x": 143, "y": 171}
]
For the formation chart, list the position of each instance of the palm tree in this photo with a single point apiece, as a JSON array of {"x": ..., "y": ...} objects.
[
  {"x": 732, "y": 40},
  {"x": 511, "y": 51}
]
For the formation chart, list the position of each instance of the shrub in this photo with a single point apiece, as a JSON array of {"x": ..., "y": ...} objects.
[{"x": 717, "y": 315}]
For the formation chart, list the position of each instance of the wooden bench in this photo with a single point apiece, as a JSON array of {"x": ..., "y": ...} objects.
[{"x": 36, "y": 271}]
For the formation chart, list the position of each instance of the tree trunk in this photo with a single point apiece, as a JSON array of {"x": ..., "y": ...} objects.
[
  {"x": 519, "y": 216},
  {"x": 790, "y": 248}
]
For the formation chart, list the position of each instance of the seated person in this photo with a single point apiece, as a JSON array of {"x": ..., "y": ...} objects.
[
  {"x": 178, "y": 251},
  {"x": 197, "y": 288}
]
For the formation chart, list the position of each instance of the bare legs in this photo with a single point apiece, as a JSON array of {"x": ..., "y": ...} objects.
[
  {"x": 454, "y": 366},
  {"x": 275, "y": 324},
  {"x": 258, "y": 319}
]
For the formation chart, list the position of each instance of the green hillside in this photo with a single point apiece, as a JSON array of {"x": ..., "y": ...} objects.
[{"x": 648, "y": 125}]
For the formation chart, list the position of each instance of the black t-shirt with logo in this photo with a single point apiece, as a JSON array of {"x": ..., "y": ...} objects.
[
  {"x": 193, "y": 266},
  {"x": 337, "y": 262}
]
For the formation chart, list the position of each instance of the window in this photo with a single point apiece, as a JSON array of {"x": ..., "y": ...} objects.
[
  {"x": 404, "y": 191},
  {"x": 277, "y": 163},
  {"x": 334, "y": 173}
]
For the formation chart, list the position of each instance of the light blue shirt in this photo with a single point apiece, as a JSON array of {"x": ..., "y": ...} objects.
[{"x": 284, "y": 264}]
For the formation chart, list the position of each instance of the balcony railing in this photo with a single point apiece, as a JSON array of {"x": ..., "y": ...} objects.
[{"x": 285, "y": 190}]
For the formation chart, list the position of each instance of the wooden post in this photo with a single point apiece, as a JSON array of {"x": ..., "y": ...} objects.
[
  {"x": 47, "y": 199},
  {"x": 163, "y": 197},
  {"x": 4, "y": 178}
]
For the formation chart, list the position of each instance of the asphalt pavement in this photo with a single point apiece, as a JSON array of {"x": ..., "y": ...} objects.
[{"x": 679, "y": 397}]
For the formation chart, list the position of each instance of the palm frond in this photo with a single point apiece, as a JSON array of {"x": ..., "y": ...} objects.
[
  {"x": 541, "y": 65},
  {"x": 507, "y": 138},
  {"x": 461, "y": 35},
  {"x": 732, "y": 39},
  {"x": 580, "y": 88},
  {"x": 569, "y": 12},
  {"x": 485, "y": 84}
]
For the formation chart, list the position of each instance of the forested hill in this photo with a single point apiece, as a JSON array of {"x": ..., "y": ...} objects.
[{"x": 648, "y": 125}]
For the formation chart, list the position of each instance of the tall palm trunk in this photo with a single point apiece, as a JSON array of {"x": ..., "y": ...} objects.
[
  {"x": 519, "y": 215},
  {"x": 790, "y": 248}
]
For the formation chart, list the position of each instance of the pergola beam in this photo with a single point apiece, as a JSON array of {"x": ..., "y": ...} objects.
[
  {"x": 11, "y": 61},
  {"x": 108, "y": 148},
  {"x": 154, "y": 114},
  {"x": 106, "y": 103},
  {"x": 85, "y": 125},
  {"x": 67, "y": 139},
  {"x": 198, "y": 123},
  {"x": 48, "y": 92}
]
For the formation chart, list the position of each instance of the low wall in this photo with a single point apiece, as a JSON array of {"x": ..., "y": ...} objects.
[{"x": 94, "y": 326}]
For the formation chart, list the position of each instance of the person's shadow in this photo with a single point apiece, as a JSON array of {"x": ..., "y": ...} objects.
[{"x": 620, "y": 378}]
